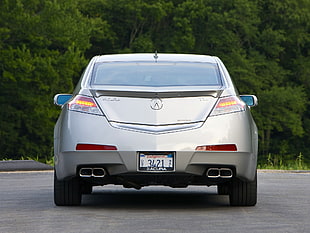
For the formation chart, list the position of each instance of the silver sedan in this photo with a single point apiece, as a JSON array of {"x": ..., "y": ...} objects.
[{"x": 155, "y": 119}]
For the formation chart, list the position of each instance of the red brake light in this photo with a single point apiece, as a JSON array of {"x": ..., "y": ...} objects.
[
  {"x": 94, "y": 147},
  {"x": 228, "y": 105},
  {"x": 84, "y": 104},
  {"x": 225, "y": 147},
  {"x": 88, "y": 103}
]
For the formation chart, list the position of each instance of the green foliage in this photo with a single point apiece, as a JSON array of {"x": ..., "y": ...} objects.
[
  {"x": 45, "y": 45},
  {"x": 277, "y": 162},
  {"x": 41, "y": 54}
]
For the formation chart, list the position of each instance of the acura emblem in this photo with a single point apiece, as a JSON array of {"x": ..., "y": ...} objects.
[{"x": 156, "y": 104}]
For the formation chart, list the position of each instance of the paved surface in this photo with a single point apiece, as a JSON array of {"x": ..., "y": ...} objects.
[
  {"x": 26, "y": 205},
  {"x": 23, "y": 165}
]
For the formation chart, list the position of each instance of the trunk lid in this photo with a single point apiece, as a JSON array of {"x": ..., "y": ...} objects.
[{"x": 146, "y": 108}]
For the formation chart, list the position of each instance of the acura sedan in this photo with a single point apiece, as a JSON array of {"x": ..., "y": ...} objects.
[{"x": 155, "y": 119}]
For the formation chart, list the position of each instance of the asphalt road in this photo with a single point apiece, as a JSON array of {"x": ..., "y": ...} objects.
[
  {"x": 26, "y": 205},
  {"x": 23, "y": 165}
]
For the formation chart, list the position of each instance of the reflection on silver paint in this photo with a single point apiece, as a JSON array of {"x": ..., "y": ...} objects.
[{"x": 158, "y": 119}]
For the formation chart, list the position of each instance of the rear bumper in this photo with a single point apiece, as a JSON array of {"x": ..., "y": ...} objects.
[
  {"x": 73, "y": 128},
  {"x": 126, "y": 162}
]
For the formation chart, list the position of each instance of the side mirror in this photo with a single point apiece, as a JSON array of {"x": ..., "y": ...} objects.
[
  {"x": 61, "y": 99},
  {"x": 250, "y": 100}
]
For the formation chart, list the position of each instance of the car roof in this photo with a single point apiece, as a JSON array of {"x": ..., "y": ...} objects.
[{"x": 160, "y": 57}]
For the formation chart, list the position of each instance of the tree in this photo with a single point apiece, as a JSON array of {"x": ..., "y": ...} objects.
[
  {"x": 41, "y": 55},
  {"x": 264, "y": 44}
]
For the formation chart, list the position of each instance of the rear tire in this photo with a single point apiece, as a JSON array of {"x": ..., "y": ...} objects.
[
  {"x": 223, "y": 189},
  {"x": 243, "y": 193},
  {"x": 67, "y": 192},
  {"x": 86, "y": 188}
]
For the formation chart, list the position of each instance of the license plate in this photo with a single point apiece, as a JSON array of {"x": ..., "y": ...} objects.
[{"x": 157, "y": 162}]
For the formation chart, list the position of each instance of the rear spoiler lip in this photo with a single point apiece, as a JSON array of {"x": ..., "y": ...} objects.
[{"x": 157, "y": 94}]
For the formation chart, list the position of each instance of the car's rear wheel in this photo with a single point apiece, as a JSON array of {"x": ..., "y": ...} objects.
[
  {"x": 86, "y": 188},
  {"x": 243, "y": 193},
  {"x": 67, "y": 192},
  {"x": 223, "y": 189}
]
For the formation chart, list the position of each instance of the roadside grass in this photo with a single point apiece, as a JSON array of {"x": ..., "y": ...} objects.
[
  {"x": 46, "y": 160},
  {"x": 277, "y": 162}
]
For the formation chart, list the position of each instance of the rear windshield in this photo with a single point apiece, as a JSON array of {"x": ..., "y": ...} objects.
[{"x": 153, "y": 74}]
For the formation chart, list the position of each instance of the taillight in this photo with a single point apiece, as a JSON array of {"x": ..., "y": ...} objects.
[
  {"x": 224, "y": 147},
  {"x": 84, "y": 104},
  {"x": 94, "y": 147},
  {"x": 228, "y": 105}
]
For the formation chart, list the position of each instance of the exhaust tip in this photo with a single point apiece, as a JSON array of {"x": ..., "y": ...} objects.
[
  {"x": 92, "y": 172},
  {"x": 226, "y": 173},
  {"x": 86, "y": 172},
  {"x": 98, "y": 172},
  {"x": 219, "y": 173},
  {"x": 213, "y": 173}
]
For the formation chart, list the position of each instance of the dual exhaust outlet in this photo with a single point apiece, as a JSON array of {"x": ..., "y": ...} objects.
[
  {"x": 92, "y": 172},
  {"x": 219, "y": 173},
  {"x": 211, "y": 172}
]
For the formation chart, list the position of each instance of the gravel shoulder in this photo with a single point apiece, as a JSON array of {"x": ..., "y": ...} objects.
[{"x": 23, "y": 165}]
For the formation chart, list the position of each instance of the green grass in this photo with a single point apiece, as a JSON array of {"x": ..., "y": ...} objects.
[
  {"x": 277, "y": 162},
  {"x": 46, "y": 160}
]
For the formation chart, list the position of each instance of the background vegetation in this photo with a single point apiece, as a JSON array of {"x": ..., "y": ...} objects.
[{"x": 45, "y": 44}]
